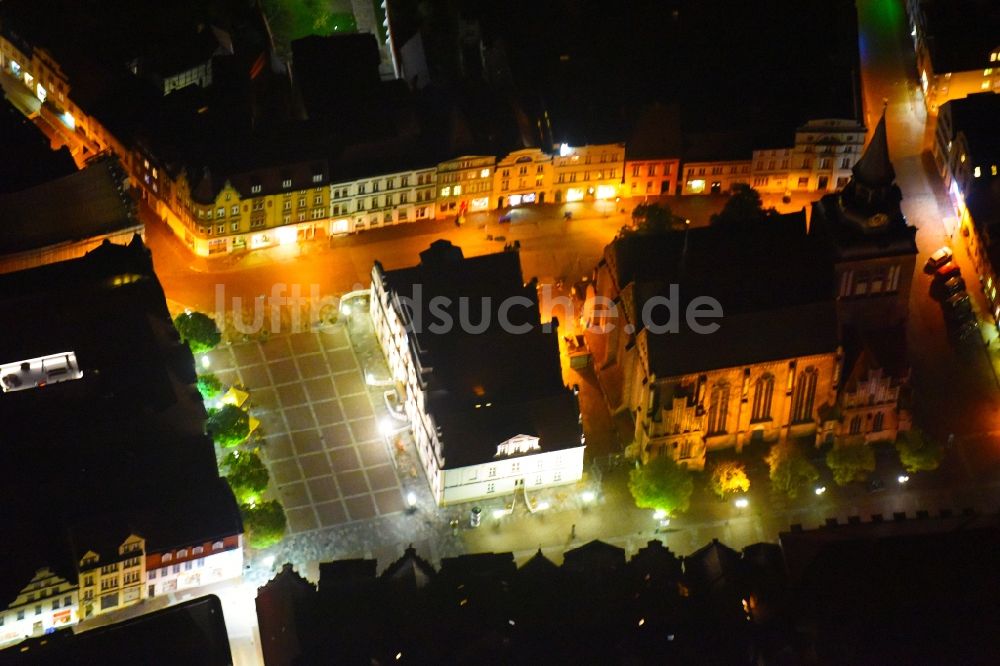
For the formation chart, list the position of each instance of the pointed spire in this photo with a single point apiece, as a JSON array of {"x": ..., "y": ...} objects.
[{"x": 874, "y": 169}]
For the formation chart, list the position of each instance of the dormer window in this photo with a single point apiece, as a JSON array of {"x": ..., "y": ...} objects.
[
  {"x": 255, "y": 189},
  {"x": 182, "y": 552},
  {"x": 167, "y": 557},
  {"x": 317, "y": 178},
  {"x": 286, "y": 183}
]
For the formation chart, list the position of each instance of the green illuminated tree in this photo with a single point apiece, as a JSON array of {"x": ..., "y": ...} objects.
[
  {"x": 209, "y": 386},
  {"x": 198, "y": 330},
  {"x": 790, "y": 471},
  {"x": 917, "y": 451},
  {"x": 661, "y": 484},
  {"x": 246, "y": 475},
  {"x": 850, "y": 461},
  {"x": 229, "y": 425},
  {"x": 729, "y": 476},
  {"x": 263, "y": 523}
]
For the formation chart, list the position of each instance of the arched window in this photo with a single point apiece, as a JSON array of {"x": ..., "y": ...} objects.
[
  {"x": 762, "y": 393},
  {"x": 877, "y": 423},
  {"x": 856, "y": 425},
  {"x": 718, "y": 409},
  {"x": 805, "y": 395}
]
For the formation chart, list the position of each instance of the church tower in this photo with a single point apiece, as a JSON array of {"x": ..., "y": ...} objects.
[{"x": 874, "y": 250}]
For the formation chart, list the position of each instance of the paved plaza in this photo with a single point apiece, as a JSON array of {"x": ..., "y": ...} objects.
[{"x": 328, "y": 461}]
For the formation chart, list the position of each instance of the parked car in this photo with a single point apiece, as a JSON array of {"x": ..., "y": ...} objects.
[
  {"x": 959, "y": 300},
  {"x": 955, "y": 285},
  {"x": 940, "y": 257},
  {"x": 947, "y": 271},
  {"x": 959, "y": 313},
  {"x": 964, "y": 330}
]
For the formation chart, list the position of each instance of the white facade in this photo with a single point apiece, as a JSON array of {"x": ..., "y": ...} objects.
[
  {"x": 502, "y": 475},
  {"x": 47, "y": 603},
  {"x": 381, "y": 201},
  {"x": 193, "y": 566}
]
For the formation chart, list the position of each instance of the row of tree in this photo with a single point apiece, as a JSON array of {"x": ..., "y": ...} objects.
[
  {"x": 662, "y": 484},
  {"x": 229, "y": 426}
]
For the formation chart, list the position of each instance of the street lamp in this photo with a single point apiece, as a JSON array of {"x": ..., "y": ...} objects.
[
  {"x": 902, "y": 478},
  {"x": 385, "y": 428},
  {"x": 205, "y": 361},
  {"x": 411, "y": 499},
  {"x": 741, "y": 503},
  {"x": 820, "y": 490},
  {"x": 587, "y": 496},
  {"x": 659, "y": 514}
]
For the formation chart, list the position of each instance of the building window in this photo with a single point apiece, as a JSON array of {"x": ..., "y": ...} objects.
[
  {"x": 490, "y": 487},
  {"x": 286, "y": 183},
  {"x": 235, "y": 210},
  {"x": 217, "y": 545},
  {"x": 493, "y": 471},
  {"x": 317, "y": 178},
  {"x": 805, "y": 395},
  {"x": 762, "y": 395},
  {"x": 856, "y": 425},
  {"x": 255, "y": 189},
  {"x": 878, "y": 422},
  {"x": 718, "y": 409},
  {"x": 152, "y": 574},
  {"x": 176, "y": 568},
  {"x": 20, "y": 615}
]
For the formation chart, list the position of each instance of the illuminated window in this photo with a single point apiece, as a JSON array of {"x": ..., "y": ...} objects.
[
  {"x": 458, "y": 190},
  {"x": 485, "y": 173},
  {"x": 962, "y": 158},
  {"x": 317, "y": 178},
  {"x": 993, "y": 170},
  {"x": 446, "y": 191},
  {"x": 977, "y": 172},
  {"x": 286, "y": 183},
  {"x": 987, "y": 71}
]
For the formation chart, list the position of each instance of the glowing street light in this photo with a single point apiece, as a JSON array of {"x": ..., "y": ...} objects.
[
  {"x": 659, "y": 514},
  {"x": 411, "y": 499},
  {"x": 902, "y": 478},
  {"x": 741, "y": 503},
  {"x": 268, "y": 561},
  {"x": 499, "y": 513},
  {"x": 205, "y": 361},
  {"x": 820, "y": 490},
  {"x": 587, "y": 496},
  {"x": 385, "y": 427}
]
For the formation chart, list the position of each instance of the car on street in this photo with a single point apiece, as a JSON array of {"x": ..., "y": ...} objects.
[
  {"x": 964, "y": 330},
  {"x": 959, "y": 313},
  {"x": 957, "y": 301},
  {"x": 955, "y": 285},
  {"x": 940, "y": 257},
  {"x": 947, "y": 271}
]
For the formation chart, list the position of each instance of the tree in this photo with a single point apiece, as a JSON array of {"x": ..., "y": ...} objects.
[
  {"x": 850, "y": 461},
  {"x": 743, "y": 211},
  {"x": 198, "y": 330},
  {"x": 652, "y": 218},
  {"x": 790, "y": 471},
  {"x": 246, "y": 475},
  {"x": 264, "y": 523},
  {"x": 729, "y": 476},
  {"x": 661, "y": 484},
  {"x": 209, "y": 386},
  {"x": 917, "y": 451},
  {"x": 229, "y": 425}
]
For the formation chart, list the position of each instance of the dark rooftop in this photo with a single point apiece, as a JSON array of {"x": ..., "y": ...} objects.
[
  {"x": 978, "y": 118},
  {"x": 127, "y": 439},
  {"x": 961, "y": 33},
  {"x": 37, "y": 161},
  {"x": 484, "y": 388},
  {"x": 88, "y": 203}
]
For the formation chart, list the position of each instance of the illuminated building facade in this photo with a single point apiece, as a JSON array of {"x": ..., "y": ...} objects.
[
  {"x": 489, "y": 412},
  {"x": 465, "y": 185},
  {"x": 112, "y": 578},
  {"x": 820, "y": 161},
  {"x": 523, "y": 177},
  {"x": 588, "y": 173},
  {"x": 193, "y": 565},
  {"x": 715, "y": 177},
  {"x": 48, "y": 602},
  {"x": 957, "y": 43},
  {"x": 381, "y": 201},
  {"x": 651, "y": 177}
]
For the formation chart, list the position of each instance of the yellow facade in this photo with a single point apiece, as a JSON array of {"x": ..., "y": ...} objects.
[
  {"x": 113, "y": 581},
  {"x": 588, "y": 173},
  {"x": 465, "y": 184}
]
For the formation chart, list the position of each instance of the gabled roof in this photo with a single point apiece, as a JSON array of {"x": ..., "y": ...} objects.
[
  {"x": 410, "y": 570},
  {"x": 594, "y": 557}
]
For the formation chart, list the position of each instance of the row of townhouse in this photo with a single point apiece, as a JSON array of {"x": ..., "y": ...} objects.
[
  {"x": 820, "y": 160},
  {"x": 115, "y": 577},
  {"x": 281, "y": 204}
]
